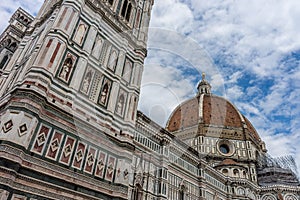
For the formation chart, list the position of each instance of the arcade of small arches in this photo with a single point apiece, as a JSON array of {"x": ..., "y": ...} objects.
[
  {"x": 10, "y": 44},
  {"x": 23, "y": 19},
  {"x": 234, "y": 172},
  {"x": 279, "y": 196},
  {"x": 126, "y": 8}
]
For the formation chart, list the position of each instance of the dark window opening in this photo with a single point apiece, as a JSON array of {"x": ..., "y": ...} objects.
[
  {"x": 13, "y": 46},
  {"x": 111, "y": 2},
  {"x": 123, "y": 12},
  {"x": 138, "y": 193},
  {"x": 224, "y": 149},
  {"x": 181, "y": 195},
  {"x": 128, "y": 12},
  {"x": 4, "y": 61}
]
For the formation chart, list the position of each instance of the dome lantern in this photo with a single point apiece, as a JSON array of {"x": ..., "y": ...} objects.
[{"x": 203, "y": 86}]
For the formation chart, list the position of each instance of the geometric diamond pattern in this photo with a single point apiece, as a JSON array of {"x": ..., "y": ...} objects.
[
  {"x": 41, "y": 139},
  {"x": 7, "y": 126},
  {"x": 125, "y": 174},
  {"x": 100, "y": 165},
  {"x": 22, "y": 130},
  {"x": 118, "y": 172},
  {"x": 79, "y": 155},
  {"x": 110, "y": 168},
  {"x": 67, "y": 150},
  {"x": 54, "y": 145},
  {"x": 90, "y": 160}
]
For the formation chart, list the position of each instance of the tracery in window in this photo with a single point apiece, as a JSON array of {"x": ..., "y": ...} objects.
[{"x": 126, "y": 10}]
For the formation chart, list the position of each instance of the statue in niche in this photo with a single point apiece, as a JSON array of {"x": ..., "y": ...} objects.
[
  {"x": 112, "y": 60},
  {"x": 80, "y": 33},
  {"x": 86, "y": 82},
  {"x": 120, "y": 104},
  {"x": 104, "y": 94},
  {"x": 97, "y": 47},
  {"x": 66, "y": 68}
]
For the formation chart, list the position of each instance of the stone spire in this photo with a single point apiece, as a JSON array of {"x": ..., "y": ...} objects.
[{"x": 203, "y": 86}]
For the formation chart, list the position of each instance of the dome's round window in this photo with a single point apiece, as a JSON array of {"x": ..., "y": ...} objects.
[{"x": 224, "y": 149}]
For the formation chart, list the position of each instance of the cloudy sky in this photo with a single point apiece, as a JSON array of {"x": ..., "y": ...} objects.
[
  {"x": 254, "y": 49},
  {"x": 250, "y": 51}
]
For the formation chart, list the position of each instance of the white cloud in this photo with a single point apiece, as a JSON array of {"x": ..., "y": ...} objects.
[
  {"x": 7, "y": 8},
  {"x": 249, "y": 41},
  {"x": 234, "y": 92},
  {"x": 171, "y": 14}
]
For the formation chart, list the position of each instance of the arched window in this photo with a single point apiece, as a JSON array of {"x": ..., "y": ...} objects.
[
  {"x": 181, "y": 192},
  {"x": 225, "y": 172},
  {"x": 13, "y": 46},
  {"x": 8, "y": 42},
  {"x": 126, "y": 10},
  {"x": 138, "y": 192},
  {"x": 244, "y": 174},
  {"x": 236, "y": 172},
  {"x": 181, "y": 195},
  {"x": 123, "y": 12},
  {"x": 4, "y": 61},
  {"x": 128, "y": 13}
]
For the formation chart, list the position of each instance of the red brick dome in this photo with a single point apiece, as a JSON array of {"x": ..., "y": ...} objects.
[
  {"x": 207, "y": 110},
  {"x": 210, "y": 111}
]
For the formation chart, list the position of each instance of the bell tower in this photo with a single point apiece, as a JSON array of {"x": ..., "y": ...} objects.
[
  {"x": 70, "y": 93},
  {"x": 11, "y": 38}
]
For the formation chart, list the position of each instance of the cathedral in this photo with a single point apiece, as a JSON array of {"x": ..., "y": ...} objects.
[{"x": 70, "y": 81}]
